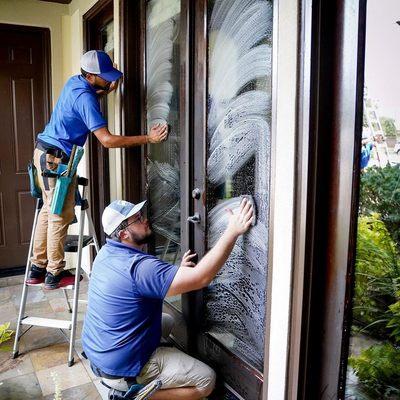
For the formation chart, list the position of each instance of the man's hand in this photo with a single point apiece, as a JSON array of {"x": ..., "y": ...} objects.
[
  {"x": 113, "y": 86},
  {"x": 104, "y": 92},
  {"x": 240, "y": 223},
  {"x": 188, "y": 279},
  {"x": 186, "y": 259},
  {"x": 158, "y": 133}
]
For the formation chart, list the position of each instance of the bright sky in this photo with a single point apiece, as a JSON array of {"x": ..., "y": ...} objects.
[{"x": 382, "y": 59}]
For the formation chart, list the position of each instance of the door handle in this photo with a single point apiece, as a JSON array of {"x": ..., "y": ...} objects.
[
  {"x": 196, "y": 193},
  {"x": 195, "y": 218}
]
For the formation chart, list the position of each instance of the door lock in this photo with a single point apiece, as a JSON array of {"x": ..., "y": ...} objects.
[{"x": 194, "y": 219}]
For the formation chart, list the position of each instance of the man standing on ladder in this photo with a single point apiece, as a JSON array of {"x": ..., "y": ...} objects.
[{"x": 76, "y": 114}]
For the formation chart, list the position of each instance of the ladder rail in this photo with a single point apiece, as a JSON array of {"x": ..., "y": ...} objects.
[
  {"x": 91, "y": 229},
  {"x": 36, "y": 321},
  {"x": 368, "y": 109},
  {"x": 77, "y": 281},
  {"x": 25, "y": 286}
]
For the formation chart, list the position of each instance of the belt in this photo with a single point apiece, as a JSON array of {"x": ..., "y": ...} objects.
[
  {"x": 52, "y": 150},
  {"x": 98, "y": 372}
]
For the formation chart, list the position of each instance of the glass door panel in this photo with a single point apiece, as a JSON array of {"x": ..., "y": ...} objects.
[
  {"x": 163, "y": 160},
  {"x": 238, "y": 163}
]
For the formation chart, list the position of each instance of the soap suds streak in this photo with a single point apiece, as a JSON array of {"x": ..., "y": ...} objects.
[
  {"x": 159, "y": 70},
  {"x": 238, "y": 137},
  {"x": 162, "y": 80},
  {"x": 165, "y": 218}
]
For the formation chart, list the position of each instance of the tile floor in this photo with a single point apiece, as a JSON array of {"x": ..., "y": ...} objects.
[{"x": 43, "y": 351}]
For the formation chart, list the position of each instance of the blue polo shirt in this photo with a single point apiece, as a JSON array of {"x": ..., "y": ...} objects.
[
  {"x": 123, "y": 320},
  {"x": 76, "y": 114}
]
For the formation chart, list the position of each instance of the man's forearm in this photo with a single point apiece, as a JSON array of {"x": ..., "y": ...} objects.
[
  {"x": 116, "y": 141},
  {"x": 212, "y": 262}
]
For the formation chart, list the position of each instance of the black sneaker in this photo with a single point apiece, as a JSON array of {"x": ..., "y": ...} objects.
[
  {"x": 36, "y": 275},
  {"x": 63, "y": 279}
]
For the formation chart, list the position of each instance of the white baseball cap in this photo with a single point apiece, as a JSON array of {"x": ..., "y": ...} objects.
[
  {"x": 118, "y": 211},
  {"x": 99, "y": 62}
]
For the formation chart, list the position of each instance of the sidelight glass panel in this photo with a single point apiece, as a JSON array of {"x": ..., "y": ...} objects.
[
  {"x": 107, "y": 40},
  {"x": 163, "y": 160},
  {"x": 238, "y": 163}
]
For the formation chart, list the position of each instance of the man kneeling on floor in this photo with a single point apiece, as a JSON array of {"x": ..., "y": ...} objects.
[{"x": 122, "y": 330}]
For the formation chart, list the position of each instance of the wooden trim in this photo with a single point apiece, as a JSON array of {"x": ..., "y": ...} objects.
[
  {"x": 12, "y": 271},
  {"x": 352, "y": 248},
  {"x": 98, "y": 8},
  {"x": 299, "y": 283},
  {"x": 143, "y": 93},
  {"x": 271, "y": 226},
  {"x": 132, "y": 60},
  {"x": 327, "y": 194},
  {"x": 47, "y": 71},
  {"x": 192, "y": 303}
]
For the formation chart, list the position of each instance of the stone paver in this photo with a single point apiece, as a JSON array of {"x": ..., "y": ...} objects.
[{"x": 43, "y": 351}]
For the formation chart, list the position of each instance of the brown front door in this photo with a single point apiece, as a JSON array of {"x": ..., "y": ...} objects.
[{"x": 24, "y": 110}]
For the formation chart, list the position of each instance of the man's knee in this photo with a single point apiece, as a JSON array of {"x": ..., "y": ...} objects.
[
  {"x": 167, "y": 324},
  {"x": 207, "y": 383}
]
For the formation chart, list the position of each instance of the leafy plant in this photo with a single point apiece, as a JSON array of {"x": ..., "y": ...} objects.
[
  {"x": 377, "y": 276},
  {"x": 394, "y": 321},
  {"x": 5, "y": 332},
  {"x": 378, "y": 369},
  {"x": 380, "y": 193}
]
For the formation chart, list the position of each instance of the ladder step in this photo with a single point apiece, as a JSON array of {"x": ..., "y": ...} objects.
[
  {"x": 49, "y": 322},
  {"x": 71, "y": 243}
]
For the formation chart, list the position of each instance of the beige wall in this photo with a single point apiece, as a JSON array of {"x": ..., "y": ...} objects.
[{"x": 73, "y": 35}]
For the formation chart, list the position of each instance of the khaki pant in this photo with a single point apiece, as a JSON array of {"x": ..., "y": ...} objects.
[
  {"x": 51, "y": 229},
  {"x": 176, "y": 369}
]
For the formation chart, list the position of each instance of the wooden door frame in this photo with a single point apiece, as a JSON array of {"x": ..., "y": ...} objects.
[
  {"x": 99, "y": 183},
  {"x": 132, "y": 101},
  {"x": 330, "y": 125},
  {"x": 47, "y": 97}
]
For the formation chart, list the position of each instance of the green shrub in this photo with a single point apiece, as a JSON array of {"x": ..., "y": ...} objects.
[
  {"x": 394, "y": 321},
  {"x": 377, "y": 276},
  {"x": 380, "y": 193},
  {"x": 378, "y": 369}
]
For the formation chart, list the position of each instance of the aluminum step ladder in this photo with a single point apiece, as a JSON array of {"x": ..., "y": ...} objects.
[{"x": 75, "y": 244}]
